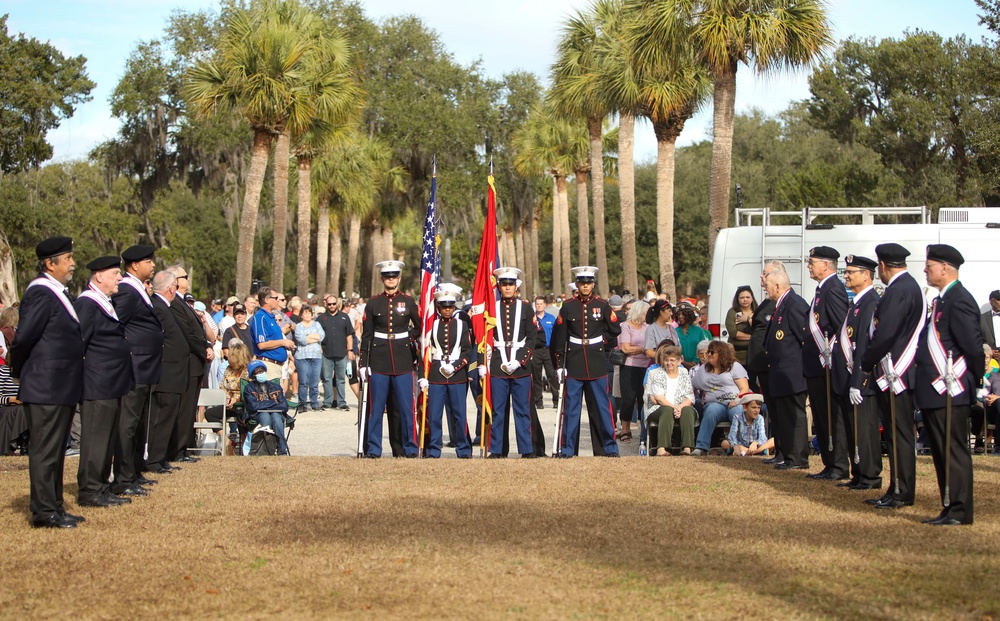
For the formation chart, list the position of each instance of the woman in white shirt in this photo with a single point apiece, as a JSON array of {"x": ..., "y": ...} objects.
[{"x": 670, "y": 400}]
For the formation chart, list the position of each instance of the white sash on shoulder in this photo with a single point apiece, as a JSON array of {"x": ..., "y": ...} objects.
[
  {"x": 50, "y": 283},
  {"x": 514, "y": 333},
  {"x": 456, "y": 351},
  {"x": 134, "y": 282},
  {"x": 944, "y": 381},
  {"x": 102, "y": 300}
]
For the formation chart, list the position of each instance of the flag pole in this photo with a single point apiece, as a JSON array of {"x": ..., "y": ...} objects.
[{"x": 425, "y": 348}]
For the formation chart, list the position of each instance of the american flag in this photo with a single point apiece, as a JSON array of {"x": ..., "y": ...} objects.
[{"x": 430, "y": 273}]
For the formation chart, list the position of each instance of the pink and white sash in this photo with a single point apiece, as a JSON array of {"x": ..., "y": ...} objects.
[
  {"x": 136, "y": 284},
  {"x": 896, "y": 370},
  {"x": 944, "y": 381},
  {"x": 53, "y": 285},
  {"x": 102, "y": 300},
  {"x": 819, "y": 338}
]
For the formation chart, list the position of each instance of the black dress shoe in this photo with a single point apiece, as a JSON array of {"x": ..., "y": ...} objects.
[
  {"x": 187, "y": 459},
  {"x": 859, "y": 486},
  {"x": 850, "y": 483},
  {"x": 615, "y": 455},
  {"x": 822, "y": 474},
  {"x": 787, "y": 466},
  {"x": 875, "y": 501},
  {"x": 892, "y": 503},
  {"x": 939, "y": 516},
  {"x": 54, "y": 521},
  {"x": 160, "y": 470},
  {"x": 944, "y": 521},
  {"x": 770, "y": 460},
  {"x": 371, "y": 456},
  {"x": 115, "y": 501},
  {"x": 494, "y": 456},
  {"x": 839, "y": 477},
  {"x": 145, "y": 481},
  {"x": 70, "y": 516},
  {"x": 130, "y": 490},
  {"x": 171, "y": 467},
  {"x": 96, "y": 501},
  {"x": 465, "y": 456},
  {"x": 528, "y": 456}
]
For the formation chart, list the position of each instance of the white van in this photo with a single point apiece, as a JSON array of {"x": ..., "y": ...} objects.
[{"x": 740, "y": 251}]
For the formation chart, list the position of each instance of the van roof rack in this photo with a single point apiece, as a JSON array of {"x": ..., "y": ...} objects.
[{"x": 745, "y": 216}]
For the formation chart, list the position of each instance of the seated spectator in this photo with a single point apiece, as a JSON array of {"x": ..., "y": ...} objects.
[
  {"x": 669, "y": 399},
  {"x": 265, "y": 403},
  {"x": 13, "y": 418},
  {"x": 747, "y": 435},
  {"x": 722, "y": 379},
  {"x": 234, "y": 373},
  {"x": 987, "y": 404}
]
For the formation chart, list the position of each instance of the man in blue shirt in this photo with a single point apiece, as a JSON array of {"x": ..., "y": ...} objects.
[
  {"x": 542, "y": 359},
  {"x": 270, "y": 344}
]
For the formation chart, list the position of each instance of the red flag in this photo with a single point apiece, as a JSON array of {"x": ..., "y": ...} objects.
[{"x": 485, "y": 295}]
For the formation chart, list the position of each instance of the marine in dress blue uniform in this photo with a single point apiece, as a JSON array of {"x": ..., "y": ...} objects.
[
  {"x": 851, "y": 385},
  {"x": 447, "y": 380},
  {"x": 47, "y": 356},
  {"x": 107, "y": 378},
  {"x": 578, "y": 347},
  {"x": 510, "y": 373},
  {"x": 952, "y": 329},
  {"x": 389, "y": 332},
  {"x": 828, "y": 309},
  {"x": 786, "y": 334},
  {"x": 898, "y": 320},
  {"x": 145, "y": 340}
]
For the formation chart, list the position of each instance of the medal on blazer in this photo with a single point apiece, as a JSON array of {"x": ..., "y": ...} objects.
[
  {"x": 780, "y": 334},
  {"x": 767, "y": 317},
  {"x": 401, "y": 308},
  {"x": 850, "y": 331},
  {"x": 595, "y": 313}
]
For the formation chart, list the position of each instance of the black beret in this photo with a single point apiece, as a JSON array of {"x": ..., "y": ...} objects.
[
  {"x": 945, "y": 254},
  {"x": 53, "y": 247},
  {"x": 137, "y": 253},
  {"x": 854, "y": 260},
  {"x": 891, "y": 253},
  {"x": 104, "y": 263},
  {"x": 824, "y": 252}
]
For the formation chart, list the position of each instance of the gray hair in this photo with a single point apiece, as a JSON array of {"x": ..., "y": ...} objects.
[
  {"x": 163, "y": 280},
  {"x": 637, "y": 314},
  {"x": 779, "y": 278}
]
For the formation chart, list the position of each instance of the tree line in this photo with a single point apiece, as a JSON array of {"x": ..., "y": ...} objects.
[{"x": 294, "y": 141}]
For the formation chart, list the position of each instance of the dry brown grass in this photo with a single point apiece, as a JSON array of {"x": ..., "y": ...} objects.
[{"x": 676, "y": 538}]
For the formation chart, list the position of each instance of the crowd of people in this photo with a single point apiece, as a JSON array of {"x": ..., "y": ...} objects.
[{"x": 116, "y": 372}]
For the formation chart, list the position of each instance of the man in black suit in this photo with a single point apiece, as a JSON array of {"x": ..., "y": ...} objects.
[
  {"x": 145, "y": 340},
  {"x": 826, "y": 314},
  {"x": 786, "y": 334},
  {"x": 951, "y": 344},
  {"x": 989, "y": 324},
  {"x": 756, "y": 357},
  {"x": 898, "y": 321},
  {"x": 47, "y": 356},
  {"x": 107, "y": 378},
  {"x": 174, "y": 378},
  {"x": 199, "y": 351},
  {"x": 851, "y": 384}
]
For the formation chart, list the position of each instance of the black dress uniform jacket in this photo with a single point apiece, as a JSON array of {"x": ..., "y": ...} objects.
[
  {"x": 585, "y": 320},
  {"x": 142, "y": 331},
  {"x": 829, "y": 306},
  {"x": 896, "y": 317},
  {"x": 107, "y": 363},
  {"x": 756, "y": 359},
  {"x": 955, "y": 320},
  {"x": 194, "y": 335},
  {"x": 47, "y": 352},
  {"x": 397, "y": 316},
  {"x": 504, "y": 332},
  {"x": 786, "y": 334},
  {"x": 859, "y": 319},
  {"x": 450, "y": 334},
  {"x": 174, "y": 376}
]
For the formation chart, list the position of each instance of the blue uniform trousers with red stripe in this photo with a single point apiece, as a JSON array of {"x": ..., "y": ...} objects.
[
  {"x": 452, "y": 396},
  {"x": 402, "y": 390},
  {"x": 518, "y": 390},
  {"x": 601, "y": 413}
]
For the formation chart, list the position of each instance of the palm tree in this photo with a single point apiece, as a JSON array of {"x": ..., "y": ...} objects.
[
  {"x": 281, "y": 156},
  {"x": 264, "y": 54},
  {"x": 771, "y": 34}
]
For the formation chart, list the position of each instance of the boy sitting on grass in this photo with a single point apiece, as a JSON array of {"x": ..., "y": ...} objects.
[{"x": 746, "y": 434}]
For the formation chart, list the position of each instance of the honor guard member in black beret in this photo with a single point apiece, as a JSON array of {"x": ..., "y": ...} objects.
[
  {"x": 390, "y": 329},
  {"x": 950, "y": 365},
  {"x": 107, "y": 378},
  {"x": 447, "y": 380},
  {"x": 510, "y": 375},
  {"x": 898, "y": 322},
  {"x": 786, "y": 335},
  {"x": 47, "y": 356},
  {"x": 826, "y": 314},
  {"x": 578, "y": 349},
  {"x": 855, "y": 394},
  {"x": 144, "y": 334}
]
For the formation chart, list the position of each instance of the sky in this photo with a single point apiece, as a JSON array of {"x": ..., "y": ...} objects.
[{"x": 505, "y": 36}]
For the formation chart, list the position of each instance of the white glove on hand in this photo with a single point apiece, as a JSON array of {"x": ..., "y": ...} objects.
[
  {"x": 482, "y": 371},
  {"x": 511, "y": 366},
  {"x": 422, "y": 383},
  {"x": 856, "y": 397},
  {"x": 447, "y": 369},
  {"x": 561, "y": 375},
  {"x": 364, "y": 373}
]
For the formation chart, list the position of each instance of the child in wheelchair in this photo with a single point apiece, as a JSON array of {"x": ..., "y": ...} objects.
[{"x": 265, "y": 410}]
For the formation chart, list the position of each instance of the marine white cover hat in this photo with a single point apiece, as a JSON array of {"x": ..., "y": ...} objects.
[
  {"x": 389, "y": 266},
  {"x": 584, "y": 271},
  {"x": 447, "y": 286},
  {"x": 444, "y": 295},
  {"x": 507, "y": 272}
]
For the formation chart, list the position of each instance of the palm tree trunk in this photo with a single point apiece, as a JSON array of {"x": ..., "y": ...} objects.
[
  {"x": 376, "y": 255},
  {"x": 536, "y": 224},
  {"x": 322, "y": 242},
  {"x": 626, "y": 192},
  {"x": 556, "y": 238},
  {"x": 387, "y": 242},
  {"x": 564, "y": 247},
  {"x": 524, "y": 243},
  {"x": 594, "y": 127},
  {"x": 304, "y": 228},
  {"x": 280, "y": 211},
  {"x": 724, "y": 103},
  {"x": 353, "y": 248},
  {"x": 665, "y": 150},
  {"x": 335, "y": 253},
  {"x": 582, "y": 219},
  {"x": 251, "y": 204},
  {"x": 519, "y": 257}
]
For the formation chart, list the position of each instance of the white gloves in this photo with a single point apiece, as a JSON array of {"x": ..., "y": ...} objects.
[
  {"x": 447, "y": 369},
  {"x": 561, "y": 375},
  {"x": 422, "y": 383},
  {"x": 510, "y": 367},
  {"x": 364, "y": 373},
  {"x": 856, "y": 397},
  {"x": 482, "y": 371}
]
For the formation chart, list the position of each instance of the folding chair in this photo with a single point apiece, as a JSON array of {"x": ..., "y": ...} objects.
[{"x": 212, "y": 398}]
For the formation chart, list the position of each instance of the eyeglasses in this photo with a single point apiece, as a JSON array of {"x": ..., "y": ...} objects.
[
  {"x": 713, "y": 353},
  {"x": 272, "y": 297},
  {"x": 281, "y": 299},
  {"x": 182, "y": 276},
  {"x": 331, "y": 304},
  {"x": 854, "y": 271}
]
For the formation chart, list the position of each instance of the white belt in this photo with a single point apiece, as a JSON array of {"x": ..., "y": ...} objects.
[
  {"x": 593, "y": 341},
  {"x": 390, "y": 337},
  {"x": 517, "y": 344}
]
